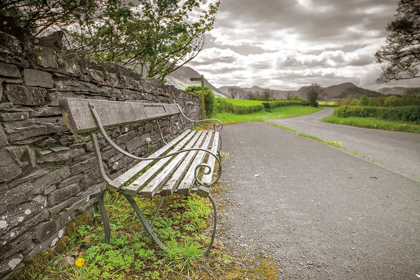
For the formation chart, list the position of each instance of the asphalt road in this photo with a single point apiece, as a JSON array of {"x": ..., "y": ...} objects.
[
  {"x": 397, "y": 151},
  {"x": 320, "y": 212}
]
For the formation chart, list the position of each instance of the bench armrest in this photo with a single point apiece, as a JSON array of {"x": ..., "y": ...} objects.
[{"x": 218, "y": 126}]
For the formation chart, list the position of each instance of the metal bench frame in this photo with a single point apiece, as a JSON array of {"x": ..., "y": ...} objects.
[{"x": 80, "y": 121}]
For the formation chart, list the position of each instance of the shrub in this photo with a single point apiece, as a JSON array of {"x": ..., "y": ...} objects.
[
  {"x": 406, "y": 114},
  {"x": 223, "y": 106},
  {"x": 280, "y": 103},
  {"x": 209, "y": 99}
]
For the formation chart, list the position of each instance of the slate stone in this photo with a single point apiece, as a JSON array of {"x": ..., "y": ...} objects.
[
  {"x": 7, "y": 117},
  {"x": 34, "y": 127},
  {"x": 53, "y": 40},
  {"x": 63, "y": 194},
  {"x": 9, "y": 168},
  {"x": 23, "y": 155},
  {"x": 17, "y": 245},
  {"x": 133, "y": 144},
  {"x": 51, "y": 178},
  {"x": 83, "y": 166},
  {"x": 22, "y": 95},
  {"x": 75, "y": 86},
  {"x": 15, "y": 196},
  {"x": 9, "y": 70},
  {"x": 46, "y": 57},
  {"x": 60, "y": 206},
  {"x": 1, "y": 89},
  {"x": 54, "y": 96},
  {"x": 32, "y": 176},
  {"x": 36, "y": 78},
  {"x": 65, "y": 262},
  {"x": 46, "y": 112},
  {"x": 18, "y": 215},
  {"x": 3, "y": 137},
  {"x": 10, "y": 263},
  {"x": 61, "y": 156}
]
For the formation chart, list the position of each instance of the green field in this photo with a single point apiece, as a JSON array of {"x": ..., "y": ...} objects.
[
  {"x": 243, "y": 102},
  {"x": 375, "y": 123},
  {"x": 276, "y": 113}
]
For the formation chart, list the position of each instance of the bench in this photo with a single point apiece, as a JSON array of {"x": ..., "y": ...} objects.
[{"x": 173, "y": 169}]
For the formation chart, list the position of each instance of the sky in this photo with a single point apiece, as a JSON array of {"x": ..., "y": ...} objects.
[{"x": 287, "y": 44}]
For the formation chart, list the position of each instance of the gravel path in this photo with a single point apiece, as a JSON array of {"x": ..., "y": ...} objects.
[
  {"x": 320, "y": 212},
  {"x": 398, "y": 151}
]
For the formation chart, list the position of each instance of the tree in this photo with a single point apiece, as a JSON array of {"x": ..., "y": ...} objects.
[
  {"x": 155, "y": 37},
  {"x": 209, "y": 98},
  {"x": 402, "y": 51},
  {"x": 313, "y": 93},
  {"x": 37, "y": 16},
  {"x": 363, "y": 101}
]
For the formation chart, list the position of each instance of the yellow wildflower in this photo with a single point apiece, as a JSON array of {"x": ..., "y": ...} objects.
[
  {"x": 334, "y": 142},
  {"x": 339, "y": 143},
  {"x": 79, "y": 262},
  {"x": 370, "y": 156}
]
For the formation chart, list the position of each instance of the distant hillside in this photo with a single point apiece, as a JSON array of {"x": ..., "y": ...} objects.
[
  {"x": 181, "y": 79},
  {"x": 341, "y": 90},
  {"x": 393, "y": 90}
]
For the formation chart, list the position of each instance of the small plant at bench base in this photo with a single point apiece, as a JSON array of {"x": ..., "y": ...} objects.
[{"x": 173, "y": 169}]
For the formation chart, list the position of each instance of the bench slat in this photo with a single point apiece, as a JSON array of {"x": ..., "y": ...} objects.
[
  {"x": 186, "y": 184},
  {"x": 129, "y": 174},
  {"x": 138, "y": 184},
  {"x": 153, "y": 186},
  {"x": 79, "y": 119},
  {"x": 203, "y": 191},
  {"x": 170, "y": 186}
]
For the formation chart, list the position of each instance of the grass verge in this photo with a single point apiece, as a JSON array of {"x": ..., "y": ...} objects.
[
  {"x": 374, "y": 123},
  {"x": 276, "y": 113}
]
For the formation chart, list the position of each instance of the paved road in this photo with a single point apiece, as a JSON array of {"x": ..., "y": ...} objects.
[
  {"x": 322, "y": 213},
  {"x": 398, "y": 151}
]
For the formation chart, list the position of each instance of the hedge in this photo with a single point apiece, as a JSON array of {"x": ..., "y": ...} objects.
[
  {"x": 405, "y": 114},
  {"x": 279, "y": 103},
  {"x": 224, "y": 106}
]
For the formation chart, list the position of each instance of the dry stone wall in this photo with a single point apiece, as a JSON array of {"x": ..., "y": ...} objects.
[{"x": 48, "y": 175}]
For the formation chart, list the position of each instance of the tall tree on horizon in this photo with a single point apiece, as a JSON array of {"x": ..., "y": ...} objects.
[{"x": 402, "y": 52}]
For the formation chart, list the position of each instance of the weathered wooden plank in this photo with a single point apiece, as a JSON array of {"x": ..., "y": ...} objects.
[
  {"x": 139, "y": 183},
  {"x": 203, "y": 190},
  {"x": 170, "y": 186},
  {"x": 79, "y": 119},
  {"x": 186, "y": 184},
  {"x": 154, "y": 185},
  {"x": 129, "y": 174}
]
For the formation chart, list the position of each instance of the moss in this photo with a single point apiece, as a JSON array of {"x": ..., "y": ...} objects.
[
  {"x": 61, "y": 245},
  {"x": 34, "y": 266},
  {"x": 80, "y": 220}
]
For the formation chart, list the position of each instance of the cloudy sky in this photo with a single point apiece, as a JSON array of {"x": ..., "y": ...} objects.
[{"x": 287, "y": 44}]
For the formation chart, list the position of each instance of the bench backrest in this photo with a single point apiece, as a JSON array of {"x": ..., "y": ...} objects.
[{"x": 79, "y": 119}]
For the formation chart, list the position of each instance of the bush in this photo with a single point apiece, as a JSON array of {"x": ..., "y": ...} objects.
[
  {"x": 280, "y": 103},
  {"x": 405, "y": 114},
  {"x": 209, "y": 99}
]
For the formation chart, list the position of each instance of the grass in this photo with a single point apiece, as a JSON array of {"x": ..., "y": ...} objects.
[
  {"x": 243, "y": 102},
  {"x": 276, "y": 113},
  {"x": 374, "y": 123}
]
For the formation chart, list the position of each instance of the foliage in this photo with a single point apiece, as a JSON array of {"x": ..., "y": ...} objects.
[
  {"x": 363, "y": 101},
  {"x": 403, "y": 44},
  {"x": 374, "y": 123},
  {"x": 405, "y": 114},
  {"x": 264, "y": 97},
  {"x": 313, "y": 93},
  {"x": 154, "y": 37},
  {"x": 223, "y": 105},
  {"x": 209, "y": 99},
  {"x": 37, "y": 16}
]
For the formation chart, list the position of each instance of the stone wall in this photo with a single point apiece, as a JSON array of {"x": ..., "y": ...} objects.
[{"x": 48, "y": 175}]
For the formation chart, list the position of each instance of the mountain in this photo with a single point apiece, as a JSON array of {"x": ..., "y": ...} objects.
[
  {"x": 336, "y": 91},
  {"x": 181, "y": 79}
]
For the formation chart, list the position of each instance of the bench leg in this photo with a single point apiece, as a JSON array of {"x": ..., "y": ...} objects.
[
  {"x": 206, "y": 253},
  {"x": 157, "y": 210},
  {"x": 104, "y": 215},
  {"x": 144, "y": 222}
]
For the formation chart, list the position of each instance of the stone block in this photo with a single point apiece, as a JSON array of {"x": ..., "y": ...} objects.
[
  {"x": 75, "y": 86},
  {"x": 9, "y": 70},
  {"x": 51, "y": 178},
  {"x": 61, "y": 156},
  {"x": 17, "y": 245},
  {"x": 7, "y": 117},
  {"x": 54, "y": 96},
  {"x": 15, "y": 196},
  {"x": 60, "y": 206},
  {"x": 23, "y": 155},
  {"x": 63, "y": 194},
  {"x": 9, "y": 168},
  {"x": 32, "y": 176},
  {"x": 46, "y": 57},
  {"x": 10, "y": 263},
  {"x": 36, "y": 78},
  {"x": 22, "y": 95},
  {"x": 148, "y": 127},
  {"x": 122, "y": 139},
  {"x": 34, "y": 127},
  {"x": 134, "y": 143},
  {"x": 48, "y": 242},
  {"x": 1, "y": 89}
]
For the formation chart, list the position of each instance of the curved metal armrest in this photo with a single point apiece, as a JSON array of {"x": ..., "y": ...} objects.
[{"x": 218, "y": 126}]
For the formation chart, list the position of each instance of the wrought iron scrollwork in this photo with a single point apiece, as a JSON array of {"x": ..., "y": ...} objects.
[{"x": 218, "y": 126}]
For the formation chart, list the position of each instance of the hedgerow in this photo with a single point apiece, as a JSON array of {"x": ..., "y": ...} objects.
[
  {"x": 279, "y": 103},
  {"x": 406, "y": 114},
  {"x": 226, "y": 107}
]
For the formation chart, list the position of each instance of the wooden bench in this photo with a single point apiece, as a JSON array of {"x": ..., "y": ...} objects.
[{"x": 191, "y": 157}]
